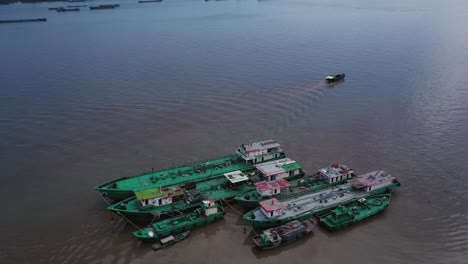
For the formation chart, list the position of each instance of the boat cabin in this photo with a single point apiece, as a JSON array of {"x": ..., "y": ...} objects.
[
  {"x": 259, "y": 151},
  {"x": 236, "y": 177},
  {"x": 271, "y": 208},
  {"x": 373, "y": 180},
  {"x": 336, "y": 172},
  {"x": 271, "y": 188},
  {"x": 279, "y": 169},
  {"x": 209, "y": 207},
  {"x": 158, "y": 196}
]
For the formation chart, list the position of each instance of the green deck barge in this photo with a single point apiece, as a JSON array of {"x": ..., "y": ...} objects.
[
  {"x": 215, "y": 189},
  {"x": 125, "y": 187}
]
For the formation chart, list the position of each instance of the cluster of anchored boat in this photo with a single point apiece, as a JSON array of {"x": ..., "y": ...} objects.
[{"x": 260, "y": 177}]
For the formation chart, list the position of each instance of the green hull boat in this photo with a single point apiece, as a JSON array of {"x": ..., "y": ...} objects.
[
  {"x": 354, "y": 211},
  {"x": 273, "y": 212},
  {"x": 206, "y": 214},
  {"x": 244, "y": 160},
  {"x": 217, "y": 190},
  {"x": 298, "y": 187},
  {"x": 325, "y": 178}
]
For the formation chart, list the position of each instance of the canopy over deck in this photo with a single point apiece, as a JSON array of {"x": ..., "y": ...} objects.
[
  {"x": 278, "y": 166},
  {"x": 236, "y": 176},
  {"x": 264, "y": 186}
]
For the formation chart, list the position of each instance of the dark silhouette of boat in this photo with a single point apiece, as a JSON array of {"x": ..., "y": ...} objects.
[
  {"x": 63, "y": 9},
  {"x": 104, "y": 7},
  {"x": 149, "y": 1},
  {"x": 24, "y": 20},
  {"x": 335, "y": 78},
  {"x": 284, "y": 234}
]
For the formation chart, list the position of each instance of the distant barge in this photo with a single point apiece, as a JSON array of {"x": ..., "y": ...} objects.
[
  {"x": 149, "y": 1},
  {"x": 104, "y": 7},
  {"x": 68, "y": 9},
  {"x": 24, "y": 20}
]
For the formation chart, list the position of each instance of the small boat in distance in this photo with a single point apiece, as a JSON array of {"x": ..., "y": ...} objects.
[
  {"x": 335, "y": 78},
  {"x": 62, "y": 9},
  {"x": 285, "y": 234},
  {"x": 104, "y": 7},
  {"x": 170, "y": 240},
  {"x": 24, "y": 20},
  {"x": 149, "y": 1}
]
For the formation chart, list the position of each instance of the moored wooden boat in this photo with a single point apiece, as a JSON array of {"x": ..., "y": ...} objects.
[
  {"x": 170, "y": 240},
  {"x": 284, "y": 234}
]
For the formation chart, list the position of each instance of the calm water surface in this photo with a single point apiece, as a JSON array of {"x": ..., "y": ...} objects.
[{"x": 94, "y": 95}]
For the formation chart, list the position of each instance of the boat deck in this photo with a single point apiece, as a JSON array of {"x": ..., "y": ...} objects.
[
  {"x": 314, "y": 202},
  {"x": 178, "y": 175}
]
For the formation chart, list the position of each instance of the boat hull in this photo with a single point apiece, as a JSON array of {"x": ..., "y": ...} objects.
[
  {"x": 309, "y": 224},
  {"x": 275, "y": 222},
  {"x": 124, "y": 187},
  {"x": 199, "y": 222},
  {"x": 254, "y": 198},
  {"x": 177, "y": 238},
  {"x": 377, "y": 204}
]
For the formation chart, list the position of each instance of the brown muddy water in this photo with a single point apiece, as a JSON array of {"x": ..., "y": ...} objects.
[{"x": 91, "y": 96}]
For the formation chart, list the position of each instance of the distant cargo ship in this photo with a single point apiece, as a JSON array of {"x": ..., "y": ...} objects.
[{"x": 104, "y": 7}]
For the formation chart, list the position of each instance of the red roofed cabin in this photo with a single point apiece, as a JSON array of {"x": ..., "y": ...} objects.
[
  {"x": 271, "y": 188},
  {"x": 271, "y": 207}
]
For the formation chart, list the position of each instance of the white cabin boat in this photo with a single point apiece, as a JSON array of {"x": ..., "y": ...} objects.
[
  {"x": 279, "y": 169},
  {"x": 336, "y": 172},
  {"x": 260, "y": 151}
]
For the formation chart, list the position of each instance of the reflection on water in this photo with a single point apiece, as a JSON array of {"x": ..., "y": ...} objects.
[{"x": 91, "y": 96}]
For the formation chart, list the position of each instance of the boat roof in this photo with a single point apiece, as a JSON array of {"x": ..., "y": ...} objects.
[
  {"x": 236, "y": 176},
  {"x": 167, "y": 239},
  {"x": 371, "y": 179},
  {"x": 277, "y": 166},
  {"x": 271, "y": 205},
  {"x": 335, "y": 170},
  {"x": 277, "y": 184},
  {"x": 158, "y": 193}
]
